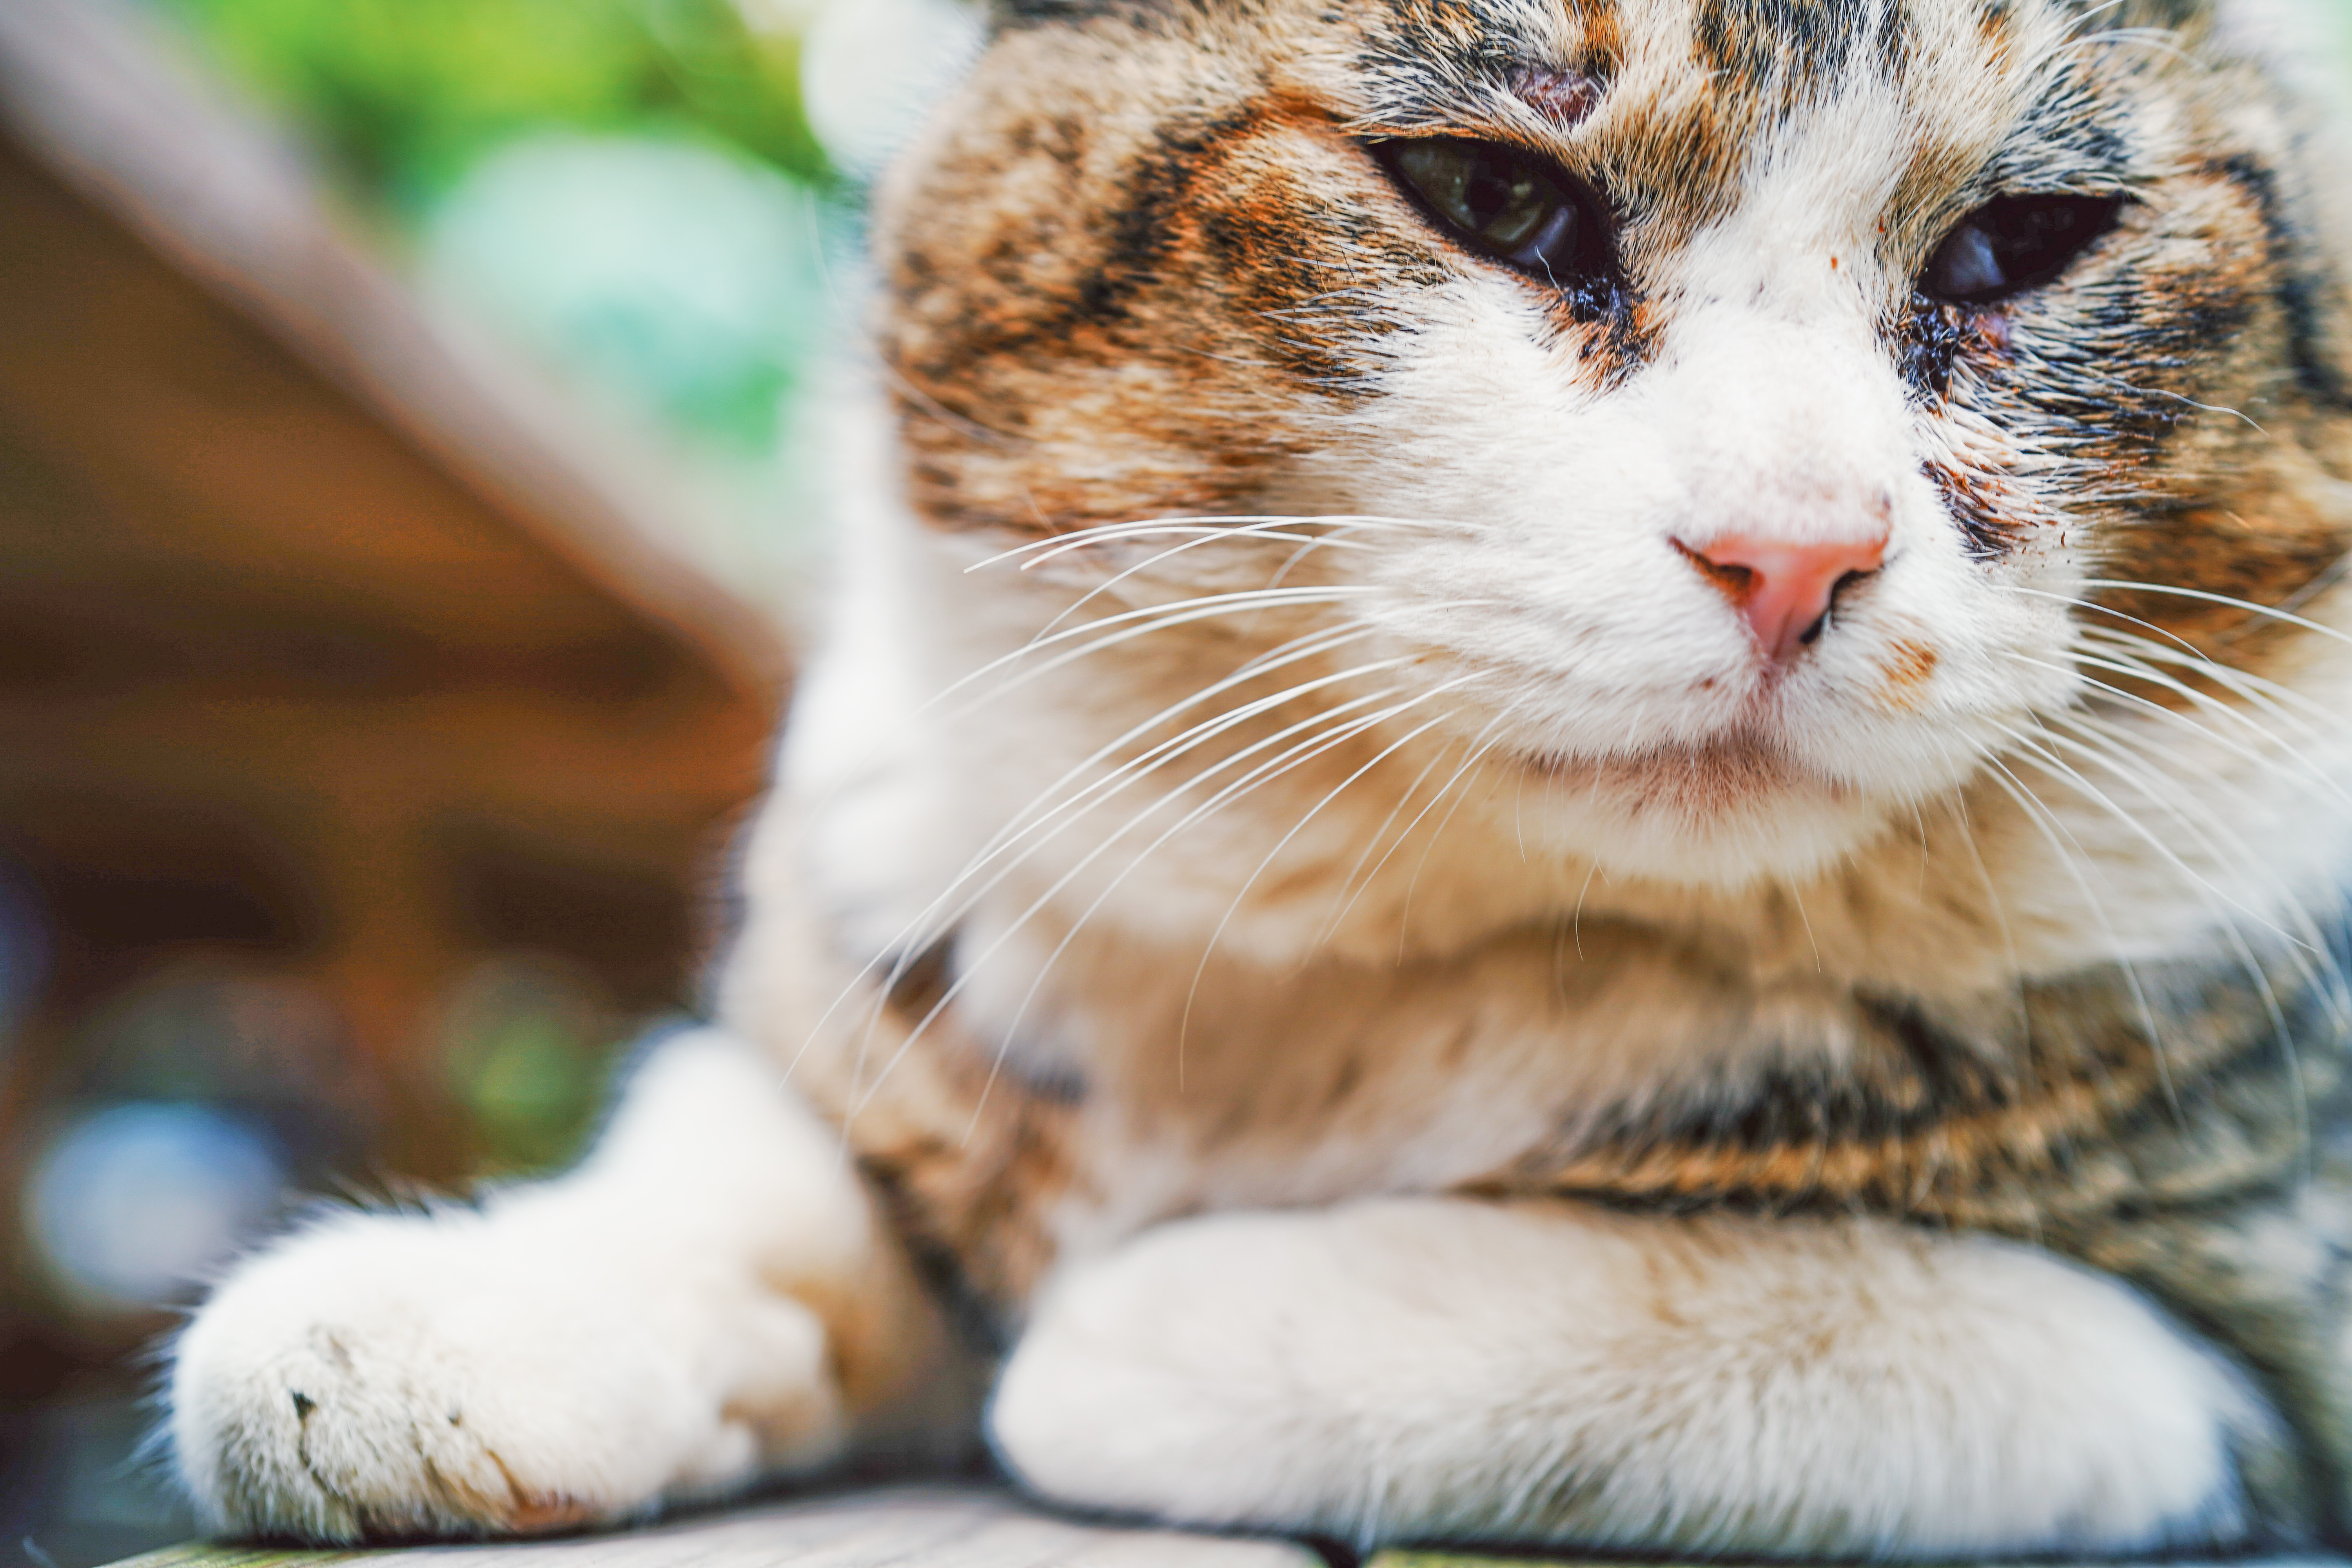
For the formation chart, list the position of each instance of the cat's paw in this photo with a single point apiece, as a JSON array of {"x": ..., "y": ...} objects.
[
  {"x": 390, "y": 1375},
  {"x": 1431, "y": 1369}
]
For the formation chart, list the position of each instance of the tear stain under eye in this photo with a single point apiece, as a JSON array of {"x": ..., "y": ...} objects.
[
  {"x": 1935, "y": 335},
  {"x": 1930, "y": 339},
  {"x": 1975, "y": 501}
]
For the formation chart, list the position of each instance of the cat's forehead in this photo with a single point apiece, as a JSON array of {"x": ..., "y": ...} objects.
[
  {"x": 1775, "y": 55},
  {"x": 1689, "y": 92}
]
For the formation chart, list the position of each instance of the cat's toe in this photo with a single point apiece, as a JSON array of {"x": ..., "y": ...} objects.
[
  {"x": 342, "y": 1427},
  {"x": 393, "y": 1376}
]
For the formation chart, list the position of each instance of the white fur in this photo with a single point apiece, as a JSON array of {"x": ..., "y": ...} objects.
[
  {"x": 646, "y": 1328},
  {"x": 1415, "y": 1368}
]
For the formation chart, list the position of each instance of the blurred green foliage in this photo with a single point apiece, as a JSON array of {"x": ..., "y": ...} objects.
[
  {"x": 406, "y": 95},
  {"x": 526, "y": 1046},
  {"x": 621, "y": 186}
]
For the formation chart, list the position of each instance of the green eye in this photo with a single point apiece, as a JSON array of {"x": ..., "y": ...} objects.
[{"x": 1505, "y": 201}]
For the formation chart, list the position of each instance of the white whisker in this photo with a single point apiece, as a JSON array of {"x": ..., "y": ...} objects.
[
  {"x": 1298, "y": 756},
  {"x": 1217, "y": 934},
  {"x": 1478, "y": 746},
  {"x": 2203, "y": 596},
  {"x": 2051, "y": 828},
  {"x": 1339, "y": 727},
  {"x": 2041, "y": 754}
]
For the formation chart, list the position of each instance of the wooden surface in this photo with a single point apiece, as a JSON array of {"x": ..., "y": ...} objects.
[
  {"x": 910, "y": 1527},
  {"x": 902, "y": 1527}
]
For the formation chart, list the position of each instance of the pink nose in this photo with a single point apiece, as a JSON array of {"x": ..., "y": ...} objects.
[{"x": 1782, "y": 590}]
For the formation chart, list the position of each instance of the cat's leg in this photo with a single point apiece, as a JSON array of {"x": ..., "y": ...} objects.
[
  {"x": 707, "y": 1299},
  {"x": 1420, "y": 1368}
]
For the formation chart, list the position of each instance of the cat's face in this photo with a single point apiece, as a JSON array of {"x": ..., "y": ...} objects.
[{"x": 1752, "y": 395}]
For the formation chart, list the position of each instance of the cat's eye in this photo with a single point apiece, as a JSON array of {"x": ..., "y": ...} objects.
[
  {"x": 2013, "y": 244},
  {"x": 1516, "y": 208}
]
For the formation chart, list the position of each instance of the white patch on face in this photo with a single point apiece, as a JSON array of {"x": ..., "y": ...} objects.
[
  {"x": 1600, "y": 659},
  {"x": 1644, "y": 764}
]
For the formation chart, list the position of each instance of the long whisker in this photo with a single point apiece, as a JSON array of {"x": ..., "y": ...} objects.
[
  {"x": 1130, "y": 625},
  {"x": 2183, "y": 721},
  {"x": 1124, "y": 628},
  {"x": 1479, "y": 745},
  {"x": 2043, "y": 755},
  {"x": 2073, "y": 603},
  {"x": 2266, "y": 990},
  {"x": 904, "y": 950},
  {"x": 1959, "y": 806},
  {"x": 1298, "y": 756},
  {"x": 1378, "y": 836},
  {"x": 2205, "y": 596},
  {"x": 1051, "y": 816},
  {"x": 1477, "y": 761},
  {"x": 2051, "y": 828},
  {"x": 1268, "y": 526},
  {"x": 2154, "y": 643},
  {"x": 1044, "y": 811},
  {"x": 2270, "y": 696},
  {"x": 1198, "y": 538},
  {"x": 2147, "y": 769},
  {"x": 1339, "y": 727},
  {"x": 1144, "y": 622},
  {"x": 1216, "y": 936},
  {"x": 2131, "y": 757},
  {"x": 2265, "y": 751},
  {"x": 1051, "y": 799},
  {"x": 937, "y": 917}
]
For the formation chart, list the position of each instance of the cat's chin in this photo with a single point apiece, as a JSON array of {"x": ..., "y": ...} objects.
[{"x": 1725, "y": 814}]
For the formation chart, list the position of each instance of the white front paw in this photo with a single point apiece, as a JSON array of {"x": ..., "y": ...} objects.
[
  {"x": 401, "y": 1374},
  {"x": 1424, "y": 1369}
]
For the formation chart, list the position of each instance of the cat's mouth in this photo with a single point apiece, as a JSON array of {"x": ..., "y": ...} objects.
[{"x": 1732, "y": 770}]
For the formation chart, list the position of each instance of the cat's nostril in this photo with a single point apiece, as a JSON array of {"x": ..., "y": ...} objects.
[
  {"x": 1814, "y": 632},
  {"x": 1736, "y": 581},
  {"x": 1785, "y": 590}
]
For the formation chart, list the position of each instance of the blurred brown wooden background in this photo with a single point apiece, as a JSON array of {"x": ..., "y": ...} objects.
[{"x": 328, "y": 652}]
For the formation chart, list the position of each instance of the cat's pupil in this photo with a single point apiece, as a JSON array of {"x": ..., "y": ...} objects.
[
  {"x": 1505, "y": 204},
  {"x": 2014, "y": 244},
  {"x": 1969, "y": 265}
]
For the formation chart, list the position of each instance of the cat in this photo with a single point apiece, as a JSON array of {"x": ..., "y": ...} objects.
[{"x": 1581, "y": 779}]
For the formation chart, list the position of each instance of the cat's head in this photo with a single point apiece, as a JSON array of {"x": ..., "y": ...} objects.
[{"x": 1749, "y": 407}]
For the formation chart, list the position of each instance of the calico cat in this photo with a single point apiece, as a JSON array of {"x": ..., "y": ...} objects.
[{"x": 1582, "y": 778}]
